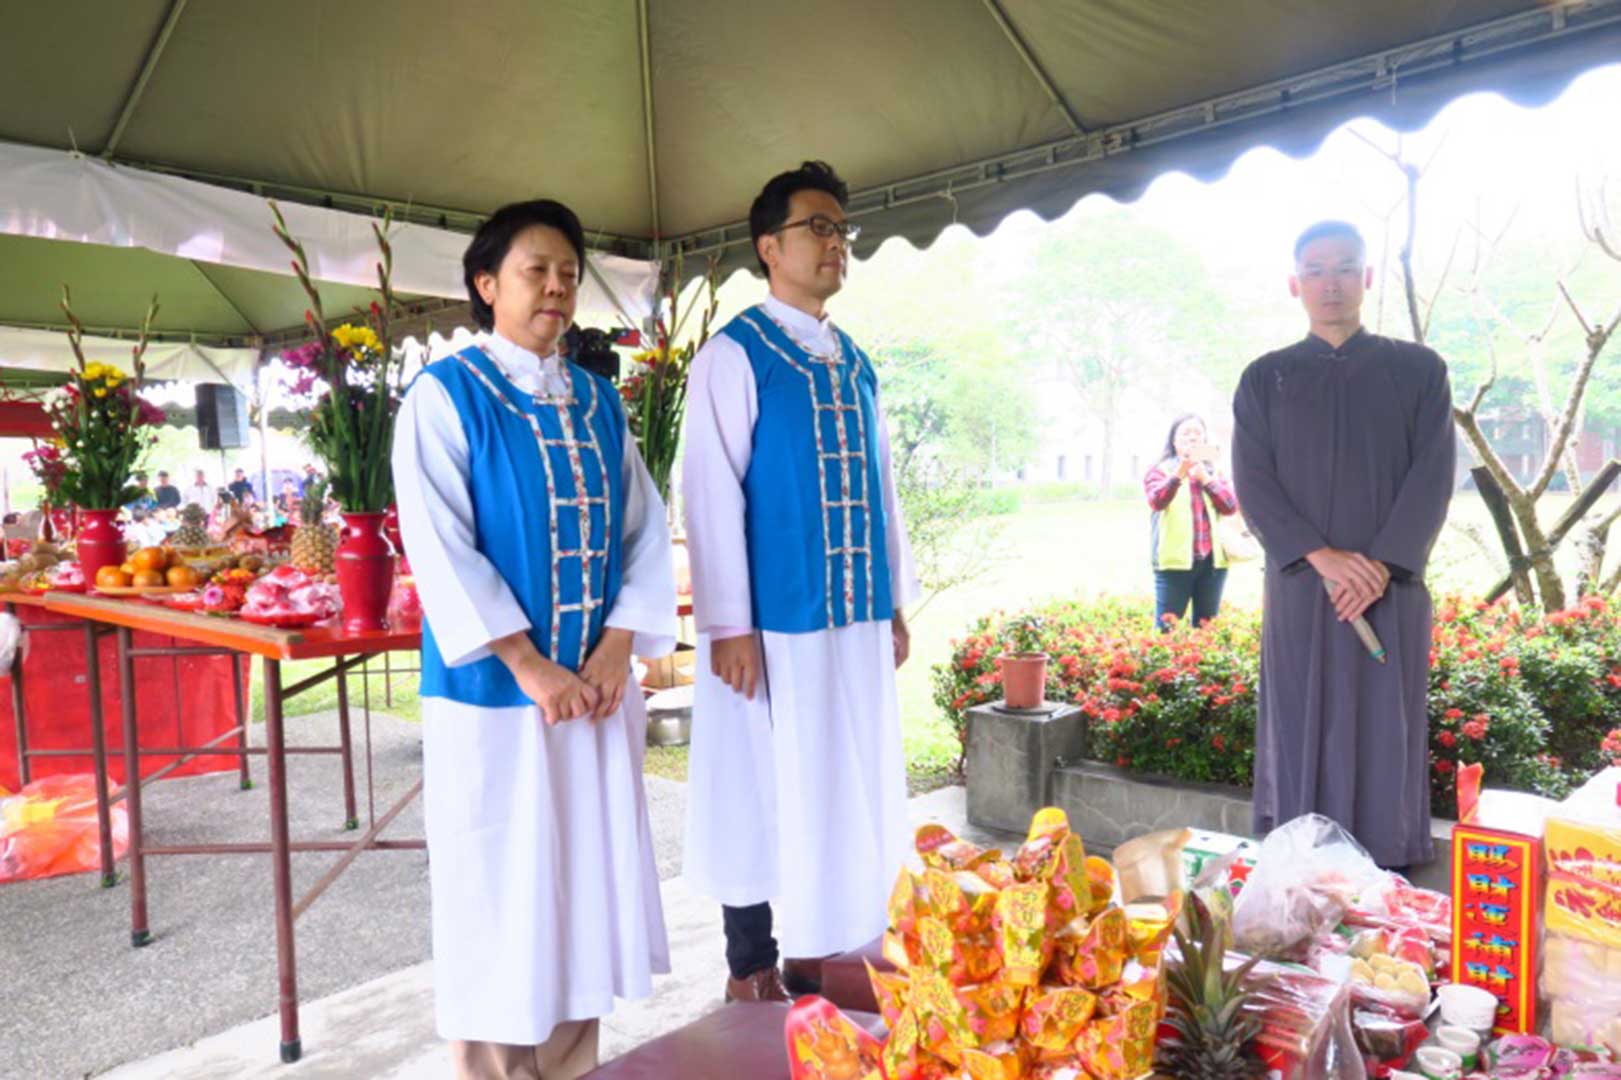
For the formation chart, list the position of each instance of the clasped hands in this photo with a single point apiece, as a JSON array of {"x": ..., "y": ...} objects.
[
  {"x": 1193, "y": 469},
  {"x": 1357, "y": 581},
  {"x": 594, "y": 692}
]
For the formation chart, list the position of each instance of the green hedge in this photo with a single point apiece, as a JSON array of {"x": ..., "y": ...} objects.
[{"x": 1536, "y": 700}]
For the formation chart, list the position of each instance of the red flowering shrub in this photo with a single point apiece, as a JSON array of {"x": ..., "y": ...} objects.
[{"x": 1536, "y": 700}]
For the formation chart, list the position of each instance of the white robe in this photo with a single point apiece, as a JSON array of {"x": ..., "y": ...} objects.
[
  {"x": 541, "y": 864},
  {"x": 799, "y": 796}
]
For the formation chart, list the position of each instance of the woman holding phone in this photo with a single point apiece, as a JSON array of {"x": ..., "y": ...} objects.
[{"x": 1186, "y": 491}]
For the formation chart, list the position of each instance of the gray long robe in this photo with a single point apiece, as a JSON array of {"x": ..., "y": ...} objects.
[{"x": 1349, "y": 448}]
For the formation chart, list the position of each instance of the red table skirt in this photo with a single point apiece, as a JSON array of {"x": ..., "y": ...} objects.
[{"x": 184, "y": 701}]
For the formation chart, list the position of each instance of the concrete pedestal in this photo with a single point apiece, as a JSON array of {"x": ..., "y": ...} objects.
[{"x": 1011, "y": 755}]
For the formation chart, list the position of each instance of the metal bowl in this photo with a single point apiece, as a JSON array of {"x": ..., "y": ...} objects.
[{"x": 669, "y": 717}]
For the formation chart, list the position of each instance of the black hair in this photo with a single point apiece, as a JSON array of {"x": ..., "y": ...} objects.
[
  {"x": 770, "y": 209},
  {"x": 494, "y": 239},
  {"x": 1324, "y": 229},
  {"x": 1170, "y": 436}
]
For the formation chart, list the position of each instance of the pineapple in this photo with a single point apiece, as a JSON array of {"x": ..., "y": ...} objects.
[
  {"x": 314, "y": 544},
  {"x": 192, "y": 532},
  {"x": 1209, "y": 1009}
]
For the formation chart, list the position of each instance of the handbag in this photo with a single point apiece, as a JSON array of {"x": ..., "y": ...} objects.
[{"x": 1236, "y": 540}]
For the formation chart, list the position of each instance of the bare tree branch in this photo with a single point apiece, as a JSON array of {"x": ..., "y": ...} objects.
[
  {"x": 1596, "y": 340},
  {"x": 1440, "y": 284}
]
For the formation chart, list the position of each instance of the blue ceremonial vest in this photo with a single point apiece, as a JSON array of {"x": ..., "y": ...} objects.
[
  {"x": 546, "y": 479},
  {"x": 815, "y": 517}
]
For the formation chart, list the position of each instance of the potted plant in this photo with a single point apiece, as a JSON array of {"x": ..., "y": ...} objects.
[
  {"x": 1024, "y": 670},
  {"x": 104, "y": 427},
  {"x": 351, "y": 380}
]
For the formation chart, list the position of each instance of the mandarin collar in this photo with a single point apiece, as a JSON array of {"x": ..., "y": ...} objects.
[
  {"x": 1316, "y": 346},
  {"x": 799, "y": 324},
  {"x": 516, "y": 361}
]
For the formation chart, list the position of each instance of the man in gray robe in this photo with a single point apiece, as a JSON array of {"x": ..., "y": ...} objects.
[{"x": 1343, "y": 456}]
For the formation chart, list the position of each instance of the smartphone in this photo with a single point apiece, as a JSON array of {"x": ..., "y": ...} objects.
[{"x": 1206, "y": 453}]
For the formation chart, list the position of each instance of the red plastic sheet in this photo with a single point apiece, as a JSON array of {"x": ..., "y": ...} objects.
[
  {"x": 49, "y": 828},
  {"x": 184, "y": 701}
]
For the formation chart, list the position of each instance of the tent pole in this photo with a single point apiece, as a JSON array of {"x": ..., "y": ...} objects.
[
  {"x": 1030, "y": 62},
  {"x": 264, "y": 431},
  {"x": 147, "y": 68},
  {"x": 647, "y": 119}
]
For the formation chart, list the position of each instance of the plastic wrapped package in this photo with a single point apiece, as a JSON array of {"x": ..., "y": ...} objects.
[
  {"x": 1308, "y": 874},
  {"x": 49, "y": 828},
  {"x": 1581, "y": 971},
  {"x": 1386, "y": 1039},
  {"x": 1582, "y": 981},
  {"x": 1306, "y": 1031}
]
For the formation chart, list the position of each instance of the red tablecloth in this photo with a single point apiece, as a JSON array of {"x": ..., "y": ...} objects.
[{"x": 185, "y": 701}]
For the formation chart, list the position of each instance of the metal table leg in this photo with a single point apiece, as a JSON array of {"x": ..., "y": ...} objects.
[
  {"x": 244, "y": 775},
  {"x": 281, "y": 865},
  {"x": 19, "y": 713},
  {"x": 351, "y": 817},
  {"x": 139, "y": 933},
  {"x": 98, "y": 753}
]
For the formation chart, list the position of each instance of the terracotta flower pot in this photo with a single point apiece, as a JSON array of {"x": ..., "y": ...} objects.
[
  {"x": 1024, "y": 679},
  {"x": 100, "y": 542},
  {"x": 365, "y": 567}
]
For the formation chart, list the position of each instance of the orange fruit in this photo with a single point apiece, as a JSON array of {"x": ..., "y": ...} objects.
[
  {"x": 128, "y": 569},
  {"x": 147, "y": 579},
  {"x": 150, "y": 558},
  {"x": 183, "y": 577},
  {"x": 112, "y": 577}
]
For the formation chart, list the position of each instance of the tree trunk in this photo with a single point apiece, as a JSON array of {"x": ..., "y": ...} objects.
[{"x": 1106, "y": 458}]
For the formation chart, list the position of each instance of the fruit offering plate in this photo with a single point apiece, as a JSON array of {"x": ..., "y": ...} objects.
[
  {"x": 140, "y": 590},
  {"x": 290, "y": 620}
]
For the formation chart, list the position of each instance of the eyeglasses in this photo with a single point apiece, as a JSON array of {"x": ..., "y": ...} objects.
[{"x": 824, "y": 227}]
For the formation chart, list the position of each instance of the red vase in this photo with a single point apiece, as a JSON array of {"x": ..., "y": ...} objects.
[
  {"x": 391, "y": 528},
  {"x": 365, "y": 568},
  {"x": 100, "y": 542}
]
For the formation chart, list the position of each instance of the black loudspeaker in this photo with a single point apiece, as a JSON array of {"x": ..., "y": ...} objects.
[{"x": 222, "y": 417}]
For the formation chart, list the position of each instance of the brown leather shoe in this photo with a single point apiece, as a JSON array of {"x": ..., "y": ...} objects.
[
  {"x": 803, "y": 976},
  {"x": 763, "y": 985}
]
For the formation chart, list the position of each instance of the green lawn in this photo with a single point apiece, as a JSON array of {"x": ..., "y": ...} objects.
[{"x": 1065, "y": 548}]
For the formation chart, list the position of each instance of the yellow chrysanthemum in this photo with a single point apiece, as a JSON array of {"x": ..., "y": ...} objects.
[
  {"x": 101, "y": 391},
  {"x": 356, "y": 338},
  {"x": 93, "y": 371}
]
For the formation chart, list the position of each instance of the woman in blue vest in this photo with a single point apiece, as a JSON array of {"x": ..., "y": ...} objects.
[
  {"x": 1186, "y": 492},
  {"x": 542, "y": 556}
]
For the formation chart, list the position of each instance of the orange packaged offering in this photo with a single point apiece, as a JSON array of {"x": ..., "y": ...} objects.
[{"x": 1019, "y": 969}]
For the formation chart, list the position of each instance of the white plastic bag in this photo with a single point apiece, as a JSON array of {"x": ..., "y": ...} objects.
[
  {"x": 1308, "y": 873},
  {"x": 11, "y": 635}
]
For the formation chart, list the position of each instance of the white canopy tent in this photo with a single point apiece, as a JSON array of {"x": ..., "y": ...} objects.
[
  {"x": 656, "y": 120},
  {"x": 209, "y": 252}
]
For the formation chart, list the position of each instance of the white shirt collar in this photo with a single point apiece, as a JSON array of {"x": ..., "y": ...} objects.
[
  {"x": 801, "y": 326},
  {"x": 515, "y": 361}
]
